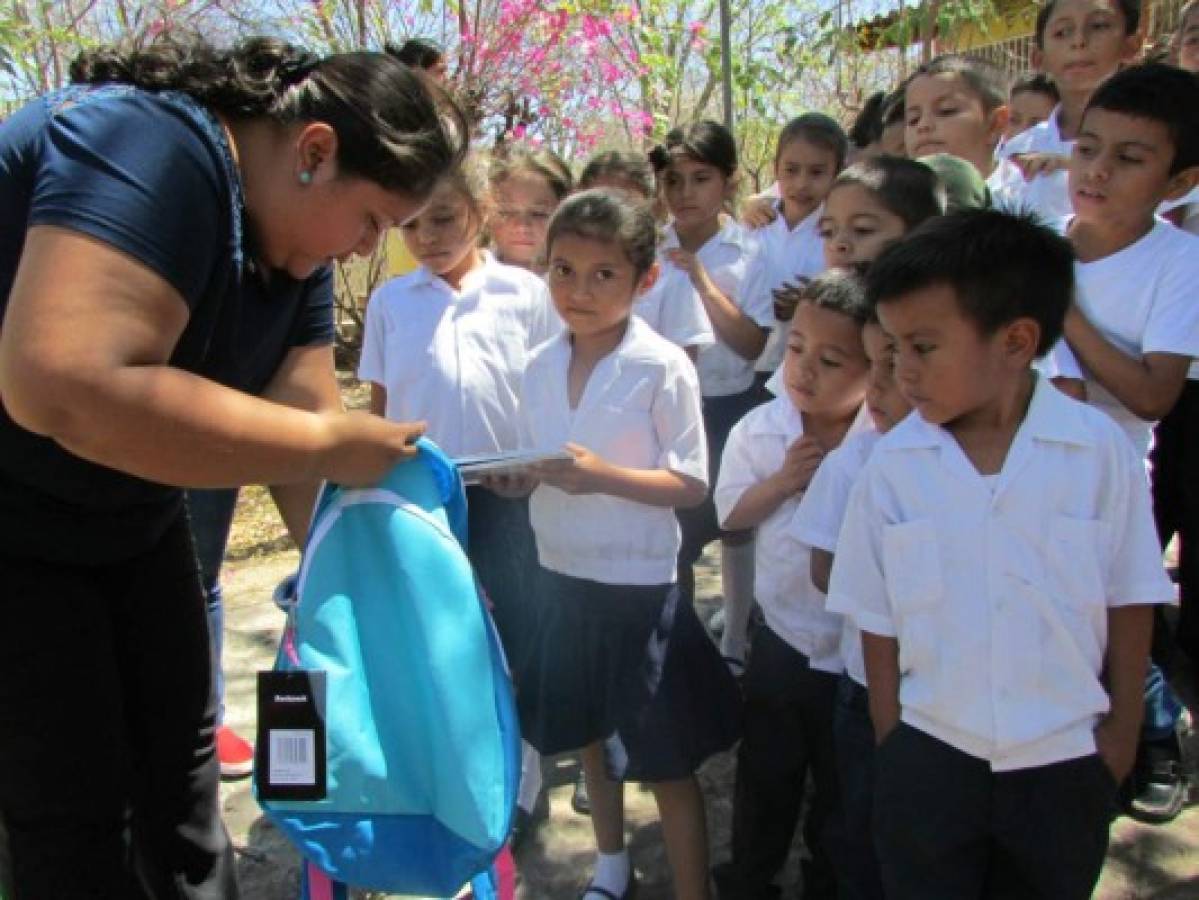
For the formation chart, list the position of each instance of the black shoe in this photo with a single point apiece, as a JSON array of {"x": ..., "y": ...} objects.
[
  {"x": 1159, "y": 785},
  {"x": 524, "y": 823},
  {"x": 580, "y": 800}
]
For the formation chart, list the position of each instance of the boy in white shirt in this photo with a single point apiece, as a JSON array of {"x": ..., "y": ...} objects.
[
  {"x": 1135, "y": 324},
  {"x": 791, "y": 680},
  {"x": 816, "y": 524},
  {"x": 1000, "y": 558},
  {"x": 1080, "y": 43}
]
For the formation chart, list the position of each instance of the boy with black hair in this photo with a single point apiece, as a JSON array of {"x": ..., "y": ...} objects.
[
  {"x": 1079, "y": 44},
  {"x": 1031, "y": 101},
  {"x": 1135, "y": 324},
  {"x": 956, "y": 104},
  {"x": 1000, "y": 558}
]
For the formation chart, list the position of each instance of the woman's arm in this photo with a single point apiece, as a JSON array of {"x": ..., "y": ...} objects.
[
  {"x": 307, "y": 380},
  {"x": 84, "y": 357}
]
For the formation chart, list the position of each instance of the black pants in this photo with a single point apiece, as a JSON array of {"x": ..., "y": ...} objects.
[
  {"x": 1175, "y": 459},
  {"x": 948, "y": 827},
  {"x": 108, "y": 772},
  {"x": 788, "y": 732},
  {"x": 853, "y": 738}
]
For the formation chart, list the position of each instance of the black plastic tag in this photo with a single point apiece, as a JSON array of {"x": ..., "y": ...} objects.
[{"x": 289, "y": 757}]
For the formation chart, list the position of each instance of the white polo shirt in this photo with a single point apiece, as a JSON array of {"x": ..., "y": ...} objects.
[
  {"x": 640, "y": 409},
  {"x": 673, "y": 309},
  {"x": 792, "y": 254},
  {"x": 783, "y": 587},
  {"x": 1143, "y": 299},
  {"x": 735, "y": 262},
  {"x": 1048, "y": 195},
  {"x": 818, "y": 519},
  {"x": 998, "y": 592},
  {"x": 455, "y": 360}
]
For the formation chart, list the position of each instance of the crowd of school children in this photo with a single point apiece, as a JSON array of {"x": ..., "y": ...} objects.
[
  {"x": 930, "y": 392},
  {"x": 933, "y": 392}
]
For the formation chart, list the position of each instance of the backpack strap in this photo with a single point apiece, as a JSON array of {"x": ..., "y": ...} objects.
[
  {"x": 316, "y": 885},
  {"x": 449, "y": 484}
]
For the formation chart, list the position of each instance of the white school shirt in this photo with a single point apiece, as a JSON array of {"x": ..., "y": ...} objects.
[
  {"x": 1143, "y": 299},
  {"x": 673, "y": 309},
  {"x": 818, "y": 519},
  {"x": 640, "y": 409},
  {"x": 791, "y": 254},
  {"x": 455, "y": 359},
  {"x": 1048, "y": 195},
  {"x": 783, "y": 587},
  {"x": 735, "y": 262},
  {"x": 998, "y": 594}
]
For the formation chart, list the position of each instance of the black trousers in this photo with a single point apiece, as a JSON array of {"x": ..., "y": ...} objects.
[
  {"x": 947, "y": 827},
  {"x": 108, "y": 770},
  {"x": 788, "y": 733},
  {"x": 1175, "y": 460}
]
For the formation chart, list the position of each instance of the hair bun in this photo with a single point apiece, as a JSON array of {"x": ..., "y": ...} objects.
[
  {"x": 295, "y": 68},
  {"x": 659, "y": 158}
]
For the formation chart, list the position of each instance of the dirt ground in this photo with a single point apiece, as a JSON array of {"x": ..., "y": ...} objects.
[{"x": 1144, "y": 862}]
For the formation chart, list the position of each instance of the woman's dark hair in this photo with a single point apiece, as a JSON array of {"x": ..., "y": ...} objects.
[
  {"x": 417, "y": 53},
  {"x": 508, "y": 162},
  {"x": 819, "y": 130},
  {"x": 394, "y": 127},
  {"x": 867, "y": 127},
  {"x": 905, "y": 187},
  {"x": 610, "y": 216},
  {"x": 704, "y": 141},
  {"x": 623, "y": 165}
]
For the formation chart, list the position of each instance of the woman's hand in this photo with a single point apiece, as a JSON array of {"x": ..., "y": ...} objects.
[{"x": 360, "y": 448}]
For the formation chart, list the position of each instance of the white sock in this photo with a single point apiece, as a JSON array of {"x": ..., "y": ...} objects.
[
  {"x": 612, "y": 872},
  {"x": 737, "y": 582},
  {"x": 530, "y": 777}
]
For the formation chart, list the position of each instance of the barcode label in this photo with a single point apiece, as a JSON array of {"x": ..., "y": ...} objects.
[{"x": 293, "y": 756}]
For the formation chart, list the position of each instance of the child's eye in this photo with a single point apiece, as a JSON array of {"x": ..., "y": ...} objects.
[
  {"x": 824, "y": 232},
  {"x": 539, "y": 216},
  {"x": 1130, "y": 160},
  {"x": 443, "y": 221},
  {"x": 560, "y": 270},
  {"x": 1084, "y": 151},
  {"x": 923, "y": 349},
  {"x": 605, "y": 275},
  {"x": 831, "y": 363},
  {"x": 948, "y": 110},
  {"x": 410, "y": 225},
  {"x": 864, "y": 232}
]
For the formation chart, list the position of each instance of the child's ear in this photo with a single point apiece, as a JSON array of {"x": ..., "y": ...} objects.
[
  {"x": 1020, "y": 340},
  {"x": 997, "y": 122},
  {"x": 648, "y": 280},
  {"x": 1182, "y": 183}
]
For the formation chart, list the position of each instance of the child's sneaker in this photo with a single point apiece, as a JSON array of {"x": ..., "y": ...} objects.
[{"x": 235, "y": 753}]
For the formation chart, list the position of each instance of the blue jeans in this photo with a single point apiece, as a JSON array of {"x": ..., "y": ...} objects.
[
  {"x": 1162, "y": 706},
  {"x": 211, "y": 516}
]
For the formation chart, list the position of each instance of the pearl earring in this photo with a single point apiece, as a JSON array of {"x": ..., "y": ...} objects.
[{"x": 305, "y": 177}]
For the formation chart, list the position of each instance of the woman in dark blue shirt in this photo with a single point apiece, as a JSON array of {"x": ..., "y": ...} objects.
[{"x": 135, "y": 208}]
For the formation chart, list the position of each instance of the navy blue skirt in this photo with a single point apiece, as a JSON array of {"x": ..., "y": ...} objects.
[
  {"x": 631, "y": 666},
  {"x": 503, "y": 551}
]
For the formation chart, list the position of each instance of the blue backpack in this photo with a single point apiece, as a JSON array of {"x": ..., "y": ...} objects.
[{"x": 423, "y": 745}]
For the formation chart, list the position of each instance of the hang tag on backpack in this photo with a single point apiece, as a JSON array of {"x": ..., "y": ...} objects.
[{"x": 290, "y": 754}]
